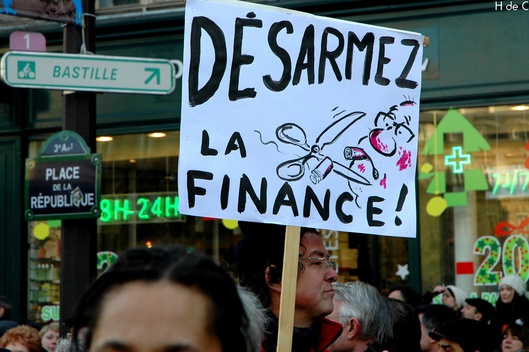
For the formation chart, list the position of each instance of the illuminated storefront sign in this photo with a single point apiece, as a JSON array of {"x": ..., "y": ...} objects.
[
  {"x": 459, "y": 160},
  {"x": 140, "y": 207},
  {"x": 506, "y": 182},
  {"x": 50, "y": 313}
]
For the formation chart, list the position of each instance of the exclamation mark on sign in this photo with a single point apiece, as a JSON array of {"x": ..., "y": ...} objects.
[{"x": 400, "y": 203}]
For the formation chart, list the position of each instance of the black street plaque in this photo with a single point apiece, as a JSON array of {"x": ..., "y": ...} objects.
[{"x": 60, "y": 185}]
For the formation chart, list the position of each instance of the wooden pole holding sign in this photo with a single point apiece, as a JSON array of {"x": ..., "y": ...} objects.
[{"x": 288, "y": 289}]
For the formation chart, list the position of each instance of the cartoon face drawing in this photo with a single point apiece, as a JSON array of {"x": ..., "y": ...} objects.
[
  {"x": 386, "y": 139},
  {"x": 356, "y": 165}
]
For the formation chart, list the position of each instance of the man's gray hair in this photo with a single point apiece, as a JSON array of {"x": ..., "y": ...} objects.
[
  {"x": 256, "y": 316},
  {"x": 363, "y": 302}
]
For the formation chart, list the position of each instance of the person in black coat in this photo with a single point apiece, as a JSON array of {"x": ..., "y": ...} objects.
[{"x": 513, "y": 306}]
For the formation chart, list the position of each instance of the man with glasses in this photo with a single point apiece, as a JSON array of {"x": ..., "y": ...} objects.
[{"x": 259, "y": 259}]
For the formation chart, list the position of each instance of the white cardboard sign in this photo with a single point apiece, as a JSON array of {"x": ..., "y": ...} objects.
[{"x": 297, "y": 119}]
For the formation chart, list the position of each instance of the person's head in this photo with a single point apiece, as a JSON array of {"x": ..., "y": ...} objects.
[
  {"x": 431, "y": 317},
  {"x": 461, "y": 335},
  {"x": 515, "y": 337},
  {"x": 5, "y": 308},
  {"x": 49, "y": 334},
  {"x": 454, "y": 297},
  {"x": 363, "y": 313},
  {"x": 257, "y": 314},
  {"x": 162, "y": 299},
  {"x": 478, "y": 309},
  {"x": 511, "y": 286},
  {"x": 22, "y": 338},
  {"x": 405, "y": 294},
  {"x": 259, "y": 259},
  {"x": 406, "y": 327}
]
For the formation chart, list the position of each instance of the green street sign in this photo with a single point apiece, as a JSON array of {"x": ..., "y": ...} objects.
[{"x": 92, "y": 73}]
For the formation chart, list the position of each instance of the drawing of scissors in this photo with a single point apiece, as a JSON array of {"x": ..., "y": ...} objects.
[{"x": 294, "y": 170}]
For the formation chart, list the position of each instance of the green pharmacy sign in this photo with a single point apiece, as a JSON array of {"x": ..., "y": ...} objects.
[
  {"x": 458, "y": 159},
  {"x": 140, "y": 208}
]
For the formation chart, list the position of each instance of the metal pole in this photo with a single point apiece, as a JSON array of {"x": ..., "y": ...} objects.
[{"x": 79, "y": 236}]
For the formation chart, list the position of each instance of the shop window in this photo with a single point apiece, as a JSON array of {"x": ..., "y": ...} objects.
[
  {"x": 473, "y": 196},
  {"x": 473, "y": 193},
  {"x": 44, "y": 271},
  {"x": 139, "y": 205},
  {"x": 44, "y": 262}
]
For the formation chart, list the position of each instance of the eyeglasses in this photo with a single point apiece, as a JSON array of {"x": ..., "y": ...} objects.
[{"x": 325, "y": 262}]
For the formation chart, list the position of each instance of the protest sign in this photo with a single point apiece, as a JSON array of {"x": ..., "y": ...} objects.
[{"x": 297, "y": 119}]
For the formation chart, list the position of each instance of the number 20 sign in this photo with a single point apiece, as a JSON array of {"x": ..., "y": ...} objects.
[{"x": 513, "y": 255}]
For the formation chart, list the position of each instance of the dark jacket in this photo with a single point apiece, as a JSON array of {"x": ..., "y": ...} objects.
[
  {"x": 314, "y": 339},
  {"x": 510, "y": 312}
]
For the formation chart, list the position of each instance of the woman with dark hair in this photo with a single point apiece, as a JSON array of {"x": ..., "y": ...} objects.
[
  {"x": 515, "y": 338},
  {"x": 155, "y": 299},
  {"x": 406, "y": 294},
  {"x": 512, "y": 305}
]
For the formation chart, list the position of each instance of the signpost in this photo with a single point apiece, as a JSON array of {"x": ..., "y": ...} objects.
[
  {"x": 78, "y": 236},
  {"x": 64, "y": 181},
  {"x": 90, "y": 73}
]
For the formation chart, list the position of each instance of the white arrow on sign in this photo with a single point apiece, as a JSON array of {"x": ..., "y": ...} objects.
[{"x": 92, "y": 73}]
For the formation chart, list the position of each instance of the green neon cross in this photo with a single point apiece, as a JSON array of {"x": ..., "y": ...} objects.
[{"x": 457, "y": 159}]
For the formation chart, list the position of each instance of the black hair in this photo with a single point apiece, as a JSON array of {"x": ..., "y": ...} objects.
[
  {"x": 410, "y": 296},
  {"x": 174, "y": 264},
  {"x": 262, "y": 248},
  {"x": 6, "y": 304},
  {"x": 406, "y": 327},
  {"x": 433, "y": 315},
  {"x": 519, "y": 331}
]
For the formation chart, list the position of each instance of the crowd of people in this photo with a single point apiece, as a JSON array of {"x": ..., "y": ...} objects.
[
  {"x": 26, "y": 336},
  {"x": 167, "y": 298}
]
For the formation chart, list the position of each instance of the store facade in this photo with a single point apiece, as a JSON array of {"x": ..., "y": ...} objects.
[{"x": 471, "y": 178}]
